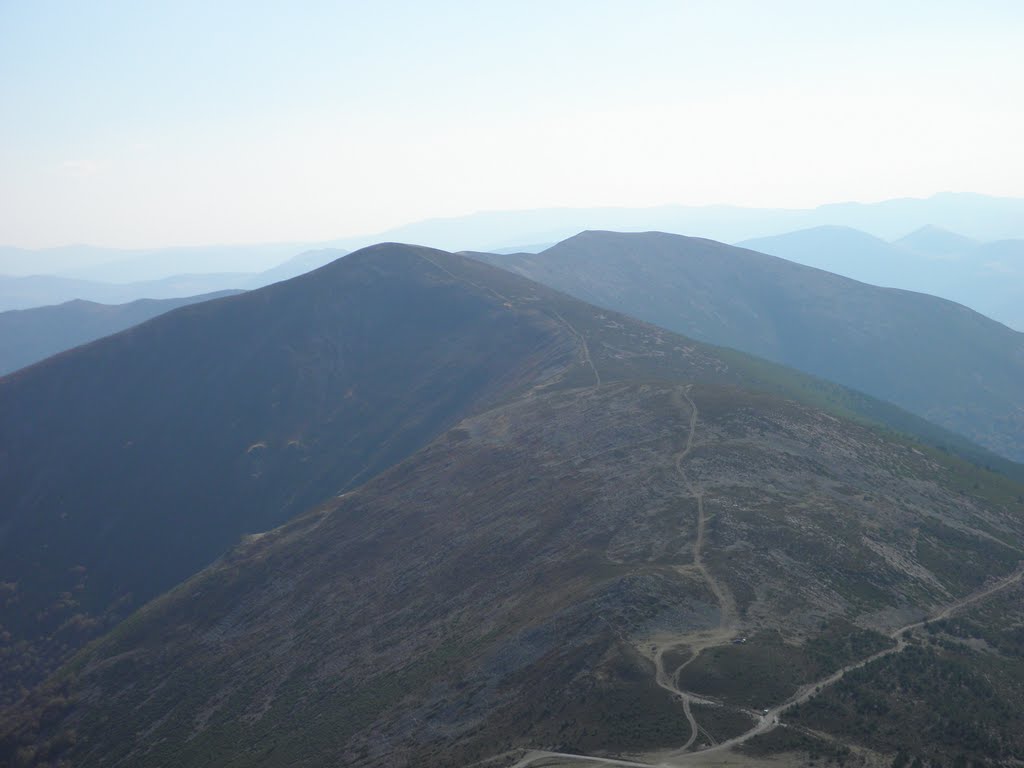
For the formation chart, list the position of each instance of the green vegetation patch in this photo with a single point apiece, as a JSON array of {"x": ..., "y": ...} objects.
[
  {"x": 933, "y": 701},
  {"x": 962, "y": 560},
  {"x": 842, "y": 643},
  {"x": 722, "y": 723},
  {"x": 759, "y": 673},
  {"x": 766, "y": 670},
  {"x": 675, "y": 657},
  {"x": 598, "y": 699}
]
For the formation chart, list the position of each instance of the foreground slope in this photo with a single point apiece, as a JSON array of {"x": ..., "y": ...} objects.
[
  {"x": 130, "y": 463},
  {"x": 30, "y": 335},
  {"x": 933, "y": 357},
  {"x": 563, "y": 572}
]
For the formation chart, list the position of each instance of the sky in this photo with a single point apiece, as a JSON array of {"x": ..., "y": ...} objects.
[{"x": 132, "y": 124}]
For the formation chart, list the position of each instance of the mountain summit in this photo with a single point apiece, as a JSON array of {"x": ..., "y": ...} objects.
[
  {"x": 933, "y": 357},
  {"x": 136, "y": 460},
  {"x": 935, "y": 241}
]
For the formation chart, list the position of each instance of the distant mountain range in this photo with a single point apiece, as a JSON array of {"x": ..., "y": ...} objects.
[
  {"x": 935, "y": 358},
  {"x": 46, "y": 290},
  {"x": 981, "y": 217},
  {"x": 122, "y": 265},
  {"x": 988, "y": 277},
  {"x": 30, "y": 335},
  {"x": 509, "y": 524},
  {"x": 978, "y": 216}
]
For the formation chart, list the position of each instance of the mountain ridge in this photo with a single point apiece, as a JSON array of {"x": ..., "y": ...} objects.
[
  {"x": 537, "y": 575},
  {"x": 235, "y": 419},
  {"x": 889, "y": 343},
  {"x": 983, "y": 217}
]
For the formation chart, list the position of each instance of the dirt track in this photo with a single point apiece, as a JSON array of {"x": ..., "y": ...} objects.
[
  {"x": 725, "y": 632},
  {"x": 772, "y": 720}
]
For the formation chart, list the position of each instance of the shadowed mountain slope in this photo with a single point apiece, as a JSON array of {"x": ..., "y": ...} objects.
[
  {"x": 933, "y": 357},
  {"x": 30, "y": 335},
  {"x": 131, "y": 462},
  {"x": 535, "y": 576}
]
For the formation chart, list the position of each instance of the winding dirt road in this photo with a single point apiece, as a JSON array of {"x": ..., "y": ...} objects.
[
  {"x": 668, "y": 683},
  {"x": 726, "y": 604},
  {"x": 807, "y": 692},
  {"x": 584, "y": 348},
  {"x": 765, "y": 722},
  {"x": 772, "y": 720}
]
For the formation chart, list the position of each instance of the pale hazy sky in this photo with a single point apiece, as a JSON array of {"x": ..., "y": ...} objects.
[{"x": 151, "y": 123}]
